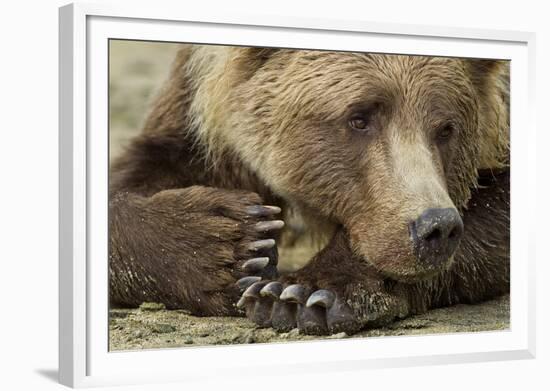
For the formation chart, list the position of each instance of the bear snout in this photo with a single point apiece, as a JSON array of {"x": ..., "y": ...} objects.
[{"x": 435, "y": 235}]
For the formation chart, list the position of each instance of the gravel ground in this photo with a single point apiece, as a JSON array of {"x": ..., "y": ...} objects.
[{"x": 153, "y": 327}]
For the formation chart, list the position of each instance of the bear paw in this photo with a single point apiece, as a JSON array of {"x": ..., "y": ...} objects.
[{"x": 313, "y": 312}]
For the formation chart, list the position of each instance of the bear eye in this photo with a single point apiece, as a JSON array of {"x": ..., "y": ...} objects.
[
  {"x": 360, "y": 122},
  {"x": 445, "y": 132}
]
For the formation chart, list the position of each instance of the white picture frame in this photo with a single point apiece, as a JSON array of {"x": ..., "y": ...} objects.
[{"x": 84, "y": 357}]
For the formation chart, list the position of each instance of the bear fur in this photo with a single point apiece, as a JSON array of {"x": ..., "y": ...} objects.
[{"x": 236, "y": 128}]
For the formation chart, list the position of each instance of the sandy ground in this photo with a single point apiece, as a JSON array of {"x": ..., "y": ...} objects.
[
  {"x": 151, "y": 327},
  {"x": 137, "y": 70}
]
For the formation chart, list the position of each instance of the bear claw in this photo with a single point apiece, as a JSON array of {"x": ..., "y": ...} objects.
[
  {"x": 295, "y": 294},
  {"x": 253, "y": 291},
  {"x": 262, "y": 210},
  {"x": 273, "y": 289},
  {"x": 319, "y": 313},
  {"x": 322, "y": 298},
  {"x": 245, "y": 282},
  {"x": 261, "y": 244},
  {"x": 263, "y": 251},
  {"x": 264, "y": 226},
  {"x": 263, "y": 261},
  {"x": 255, "y": 265}
]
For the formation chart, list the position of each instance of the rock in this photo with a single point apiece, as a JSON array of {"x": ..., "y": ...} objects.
[
  {"x": 338, "y": 335},
  {"x": 152, "y": 307},
  {"x": 162, "y": 328},
  {"x": 249, "y": 337},
  {"x": 270, "y": 334},
  {"x": 293, "y": 333},
  {"x": 118, "y": 314},
  {"x": 138, "y": 334}
]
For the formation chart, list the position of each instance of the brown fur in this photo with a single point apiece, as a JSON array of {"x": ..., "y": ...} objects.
[
  {"x": 239, "y": 126},
  {"x": 480, "y": 269}
]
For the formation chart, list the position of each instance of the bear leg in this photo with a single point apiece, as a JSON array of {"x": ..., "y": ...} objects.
[{"x": 187, "y": 247}]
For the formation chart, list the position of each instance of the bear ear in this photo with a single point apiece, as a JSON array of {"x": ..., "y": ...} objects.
[
  {"x": 491, "y": 79},
  {"x": 481, "y": 71},
  {"x": 250, "y": 59}
]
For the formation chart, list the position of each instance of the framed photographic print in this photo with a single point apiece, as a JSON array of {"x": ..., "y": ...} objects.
[{"x": 292, "y": 194}]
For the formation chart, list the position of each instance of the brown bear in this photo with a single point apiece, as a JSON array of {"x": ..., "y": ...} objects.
[{"x": 400, "y": 162}]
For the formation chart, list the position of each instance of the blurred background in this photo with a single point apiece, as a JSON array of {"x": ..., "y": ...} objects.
[{"x": 137, "y": 69}]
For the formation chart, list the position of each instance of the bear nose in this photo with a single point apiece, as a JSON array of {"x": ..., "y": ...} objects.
[{"x": 436, "y": 234}]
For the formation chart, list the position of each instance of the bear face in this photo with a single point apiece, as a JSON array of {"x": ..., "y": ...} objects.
[{"x": 381, "y": 144}]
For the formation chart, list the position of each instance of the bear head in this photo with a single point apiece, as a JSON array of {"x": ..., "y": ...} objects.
[{"x": 388, "y": 146}]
